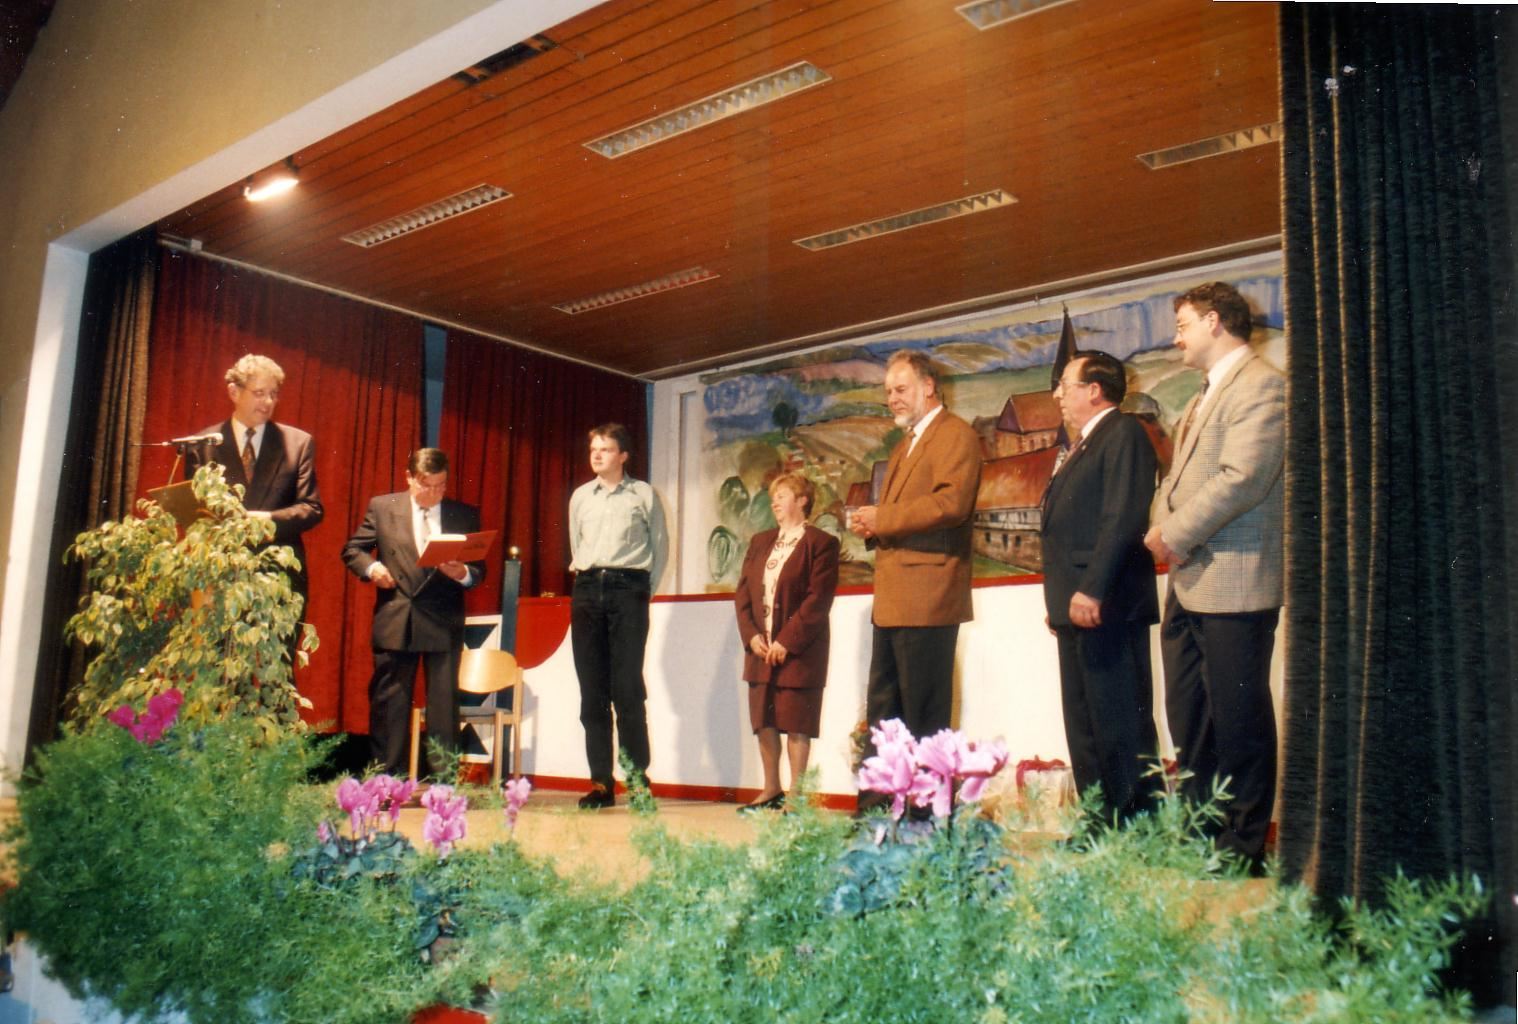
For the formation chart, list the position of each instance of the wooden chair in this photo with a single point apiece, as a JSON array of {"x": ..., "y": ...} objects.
[{"x": 485, "y": 670}]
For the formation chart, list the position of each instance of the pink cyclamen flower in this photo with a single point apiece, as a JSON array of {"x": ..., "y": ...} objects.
[
  {"x": 941, "y": 753},
  {"x": 445, "y": 824},
  {"x": 893, "y": 769},
  {"x": 977, "y": 765},
  {"x": 892, "y": 736},
  {"x": 440, "y": 800},
  {"x": 165, "y": 706},
  {"x": 930, "y": 789},
  {"x": 517, "y": 791},
  {"x": 437, "y": 798},
  {"x": 324, "y": 833},
  {"x": 379, "y": 797},
  {"x": 400, "y": 792},
  {"x": 443, "y": 832},
  {"x": 353, "y": 798},
  {"x": 149, "y": 727},
  {"x": 926, "y": 772},
  {"x": 892, "y": 772}
]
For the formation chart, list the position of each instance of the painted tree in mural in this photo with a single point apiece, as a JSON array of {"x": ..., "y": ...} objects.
[{"x": 786, "y": 417}]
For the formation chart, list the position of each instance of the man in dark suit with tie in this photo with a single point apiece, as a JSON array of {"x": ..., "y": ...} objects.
[
  {"x": 1099, "y": 586},
  {"x": 418, "y": 613},
  {"x": 275, "y": 464},
  {"x": 921, "y": 532}
]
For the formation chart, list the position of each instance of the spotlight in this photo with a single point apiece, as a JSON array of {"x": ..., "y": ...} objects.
[{"x": 274, "y": 182}]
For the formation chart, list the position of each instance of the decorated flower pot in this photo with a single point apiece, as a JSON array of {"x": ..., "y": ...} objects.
[{"x": 448, "y": 1015}]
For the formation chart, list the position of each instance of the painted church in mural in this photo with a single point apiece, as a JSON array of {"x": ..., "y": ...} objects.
[{"x": 822, "y": 414}]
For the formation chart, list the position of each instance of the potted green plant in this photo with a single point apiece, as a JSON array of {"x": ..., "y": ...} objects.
[{"x": 209, "y": 612}]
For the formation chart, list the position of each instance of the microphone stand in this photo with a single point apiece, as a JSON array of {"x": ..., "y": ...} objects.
[{"x": 181, "y": 449}]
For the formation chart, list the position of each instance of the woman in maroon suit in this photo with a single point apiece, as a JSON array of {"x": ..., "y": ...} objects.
[{"x": 783, "y": 599}]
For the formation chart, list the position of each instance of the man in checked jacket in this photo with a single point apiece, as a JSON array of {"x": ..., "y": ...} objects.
[{"x": 1219, "y": 522}]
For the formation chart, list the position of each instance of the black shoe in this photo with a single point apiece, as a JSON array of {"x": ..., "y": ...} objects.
[
  {"x": 774, "y": 803},
  {"x": 599, "y": 796},
  {"x": 869, "y": 803}
]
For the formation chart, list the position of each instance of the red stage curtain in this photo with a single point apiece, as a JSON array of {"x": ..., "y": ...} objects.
[
  {"x": 514, "y": 425},
  {"x": 353, "y": 378}
]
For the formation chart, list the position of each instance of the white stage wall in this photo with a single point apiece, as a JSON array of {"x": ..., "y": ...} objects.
[{"x": 1006, "y": 686}]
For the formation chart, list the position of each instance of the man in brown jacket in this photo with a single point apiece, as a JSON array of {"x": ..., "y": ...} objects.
[{"x": 922, "y": 538}]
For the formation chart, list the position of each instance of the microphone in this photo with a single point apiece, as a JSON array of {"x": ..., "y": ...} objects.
[
  {"x": 184, "y": 442},
  {"x": 211, "y": 438}
]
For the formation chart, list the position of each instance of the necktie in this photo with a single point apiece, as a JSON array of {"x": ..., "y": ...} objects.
[
  {"x": 426, "y": 530},
  {"x": 1180, "y": 439},
  {"x": 247, "y": 457},
  {"x": 1067, "y": 455}
]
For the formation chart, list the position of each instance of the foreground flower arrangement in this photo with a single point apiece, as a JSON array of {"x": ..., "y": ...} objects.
[
  {"x": 169, "y": 868},
  {"x": 930, "y": 773}
]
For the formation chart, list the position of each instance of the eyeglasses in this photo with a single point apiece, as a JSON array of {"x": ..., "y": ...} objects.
[
  {"x": 1065, "y": 385},
  {"x": 1181, "y": 328},
  {"x": 261, "y": 394}
]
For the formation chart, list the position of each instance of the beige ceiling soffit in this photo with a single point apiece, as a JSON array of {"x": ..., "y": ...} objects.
[
  {"x": 667, "y": 283},
  {"x": 1217, "y": 145},
  {"x": 984, "y": 14},
  {"x": 427, "y": 216},
  {"x": 992, "y": 200},
  {"x": 756, "y": 92}
]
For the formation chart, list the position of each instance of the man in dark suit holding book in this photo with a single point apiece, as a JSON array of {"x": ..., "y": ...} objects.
[
  {"x": 418, "y": 613},
  {"x": 1099, "y": 586}
]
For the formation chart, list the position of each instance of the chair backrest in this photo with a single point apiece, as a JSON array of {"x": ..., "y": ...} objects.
[{"x": 487, "y": 670}]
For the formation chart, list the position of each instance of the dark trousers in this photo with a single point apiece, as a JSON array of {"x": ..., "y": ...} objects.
[
  {"x": 608, "y": 618},
  {"x": 1217, "y": 701},
  {"x": 1107, "y": 692},
  {"x": 912, "y": 677},
  {"x": 390, "y": 704}
]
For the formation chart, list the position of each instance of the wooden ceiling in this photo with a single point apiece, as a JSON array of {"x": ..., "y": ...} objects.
[{"x": 922, "y": 108}]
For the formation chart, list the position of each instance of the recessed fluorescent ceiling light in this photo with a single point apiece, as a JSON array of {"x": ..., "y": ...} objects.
[
  {"x": 1228, "y": 142},
  {"x": 667, "y": 283},
  {"x": 719, "y": 105},
  {"x": 914, "y": 219},
  {"x": 426, "y": 216},
  {"x": 984, "y": 14}
]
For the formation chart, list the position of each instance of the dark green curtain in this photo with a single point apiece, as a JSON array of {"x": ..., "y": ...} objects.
[
  {"x": 1400, "y": 673},
  {"x": 98, "y": 474}
]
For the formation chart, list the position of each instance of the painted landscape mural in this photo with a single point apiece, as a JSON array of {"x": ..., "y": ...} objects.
[{"x": 822, "y": 413}]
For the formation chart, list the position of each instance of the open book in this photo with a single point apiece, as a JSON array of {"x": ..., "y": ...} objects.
[{"x": 455, "y": 547}]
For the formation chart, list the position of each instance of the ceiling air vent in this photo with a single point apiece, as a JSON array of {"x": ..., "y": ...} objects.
[
  {"x": 916, "y": 218},
  {"x": 426, "y": 216},
  {"x": 984, "y": 14},
  {"x": 667, "y": 283},
  {"x": 1229, "y": 142},
  {"x": 754, "y": 93},
  {"x": 505, "y": 60}
]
